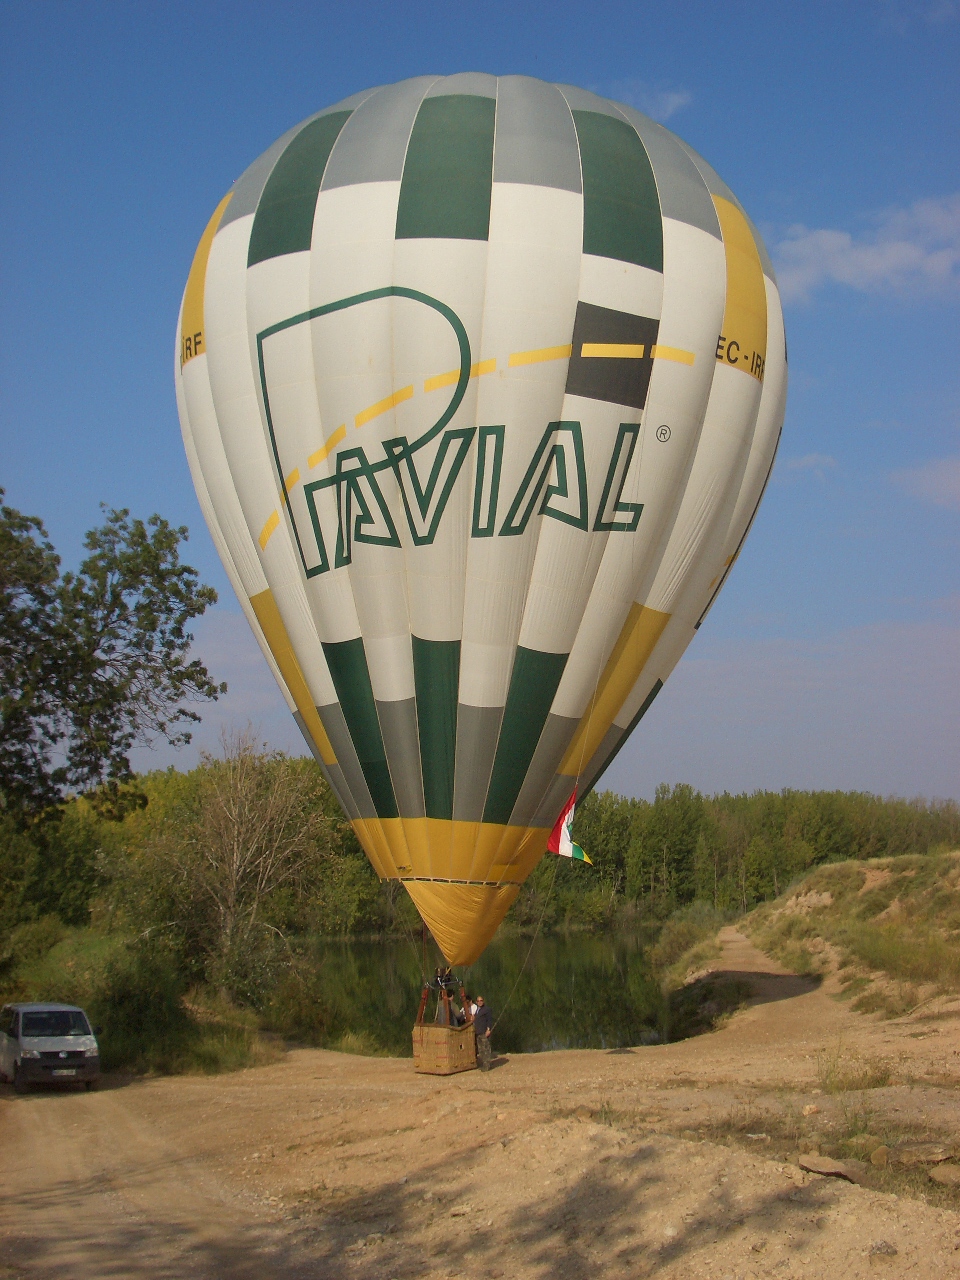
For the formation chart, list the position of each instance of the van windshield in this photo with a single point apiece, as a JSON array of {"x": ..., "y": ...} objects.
[{"x": 55, "y": 1022}]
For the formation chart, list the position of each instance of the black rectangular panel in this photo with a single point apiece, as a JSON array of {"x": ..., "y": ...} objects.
[{"x": 618, "y": 380}]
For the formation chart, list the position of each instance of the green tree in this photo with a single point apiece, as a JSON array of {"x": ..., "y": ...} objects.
[
  {"x": 663, "y": 857},
  {"x": 66, "y": 864},
  {"x": 231, "y": 858},
  {"x": 602, "y": 826},
  {"x": 29, "y": 627},
  {"x": 93, "y": 663}
]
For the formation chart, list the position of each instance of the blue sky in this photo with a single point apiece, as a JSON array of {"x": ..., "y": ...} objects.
[{"x": 832, "y": 658}]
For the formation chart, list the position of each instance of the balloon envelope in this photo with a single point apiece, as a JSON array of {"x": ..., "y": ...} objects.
[{"x": 481, "y": 380}]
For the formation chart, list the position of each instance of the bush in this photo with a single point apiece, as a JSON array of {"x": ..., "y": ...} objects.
[
  {"x": 297, "y": 1009},
  {"x": 139, "y": 1003},
  {"x": 360, "y": 1042},
  {"x": 920, "y": 955},
  {"x": 34, "y": 939},
  {"x": 683, "y": 931},
  {"x": 69, "y": 971},
  {"x": 134, "y": 992}
]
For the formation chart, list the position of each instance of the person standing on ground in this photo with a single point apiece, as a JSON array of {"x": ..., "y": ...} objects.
[{"x": 483, "y": 1026}]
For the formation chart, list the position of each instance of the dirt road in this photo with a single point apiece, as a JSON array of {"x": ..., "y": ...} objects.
[{"x": 576, "y": 1164}]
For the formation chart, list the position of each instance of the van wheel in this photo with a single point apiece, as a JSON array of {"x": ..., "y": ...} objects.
[
  {"x": 90, "y": 1084},
  {"x": 20, "y": 1085}
]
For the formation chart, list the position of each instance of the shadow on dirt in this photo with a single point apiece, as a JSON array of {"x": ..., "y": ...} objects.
[
  {"x": 702, "y": 1005},
  {"x": 402, "y": 1229}
]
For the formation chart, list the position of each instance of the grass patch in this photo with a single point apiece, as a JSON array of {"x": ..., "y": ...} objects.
[
  {"x": 852, "y": 986},
  {"x": 800, "y": 959},
  {"x": 891, "y": 1002},
  {"x": 699, "y": 957},
  {"x": 842, "y": 1071},
  {"x": 359, "y": 1042},
  {"x": 687, "y": 941},
  {"x": 227, "y": 1048},
  {"x": 892, "y": 924},
  {"x": 859, "y": 1132},
  {"x": 914, "y": 953},
  {"x": 604, "y": 1114},
  {"x": 608, "y": 1115}
]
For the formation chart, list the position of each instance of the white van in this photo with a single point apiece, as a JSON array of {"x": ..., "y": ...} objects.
[{"x": 47, "y": 1044}]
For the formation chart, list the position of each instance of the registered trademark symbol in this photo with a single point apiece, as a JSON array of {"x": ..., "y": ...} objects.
[{"x": 663, "y": 433}]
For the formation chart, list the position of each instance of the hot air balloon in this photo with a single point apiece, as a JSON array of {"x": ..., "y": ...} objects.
[{"x": 480, "y": 380}]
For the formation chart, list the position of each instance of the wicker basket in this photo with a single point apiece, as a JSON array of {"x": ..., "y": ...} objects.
[{"x": 442, "y": 1051}]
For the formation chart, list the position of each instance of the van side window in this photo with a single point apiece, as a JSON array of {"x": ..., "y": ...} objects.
[{"x": 8, "y": 1022}]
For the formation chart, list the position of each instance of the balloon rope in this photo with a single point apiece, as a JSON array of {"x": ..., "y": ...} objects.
[
  {"x": 533, "y": 940},
  {"x": 408, "y": 937}
]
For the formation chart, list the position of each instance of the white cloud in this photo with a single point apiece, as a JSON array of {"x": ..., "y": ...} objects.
[
  {"x": 661, "y": 104},
  {"x": 937, "y": 482},
  {"x": 941, "y": 12},
  {"x": 818, "y": 463},
  {"x": 901, "y": 15},
  {"x": 912, "y": 252}
]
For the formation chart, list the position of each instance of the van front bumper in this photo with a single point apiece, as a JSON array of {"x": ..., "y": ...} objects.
[{"x": 58, "y": 1070}]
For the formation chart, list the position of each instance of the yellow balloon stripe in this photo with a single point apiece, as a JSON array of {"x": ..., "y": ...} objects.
[
  {"x": 191, "y": 324},
  {"x": 268, "y": 530},
  {"x": 677, "y": 354},
  {"x": 316, "y": 458},
  {"x": 540, "y": 355},
  {"x": 268, "y": 615},
  {"x": 459, "y": 852},
  {"x": 743, "y": 340},
  {"x": 382, "y": 406},
  {"x": 453, "y": 375},
  {"x": 612, "y": 351},
  {"x": 637, "y": 639}
]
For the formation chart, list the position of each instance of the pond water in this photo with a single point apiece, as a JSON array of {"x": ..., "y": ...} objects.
[{"x": 566, "y": 991}]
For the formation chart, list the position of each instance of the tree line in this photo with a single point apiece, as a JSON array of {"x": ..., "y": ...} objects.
[
  {"x": 734, "y": 851},
  {"x": 249, "y": 849}
]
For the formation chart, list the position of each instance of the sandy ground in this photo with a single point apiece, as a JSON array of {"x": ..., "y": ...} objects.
[{"x": 573, "y": 1164}]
